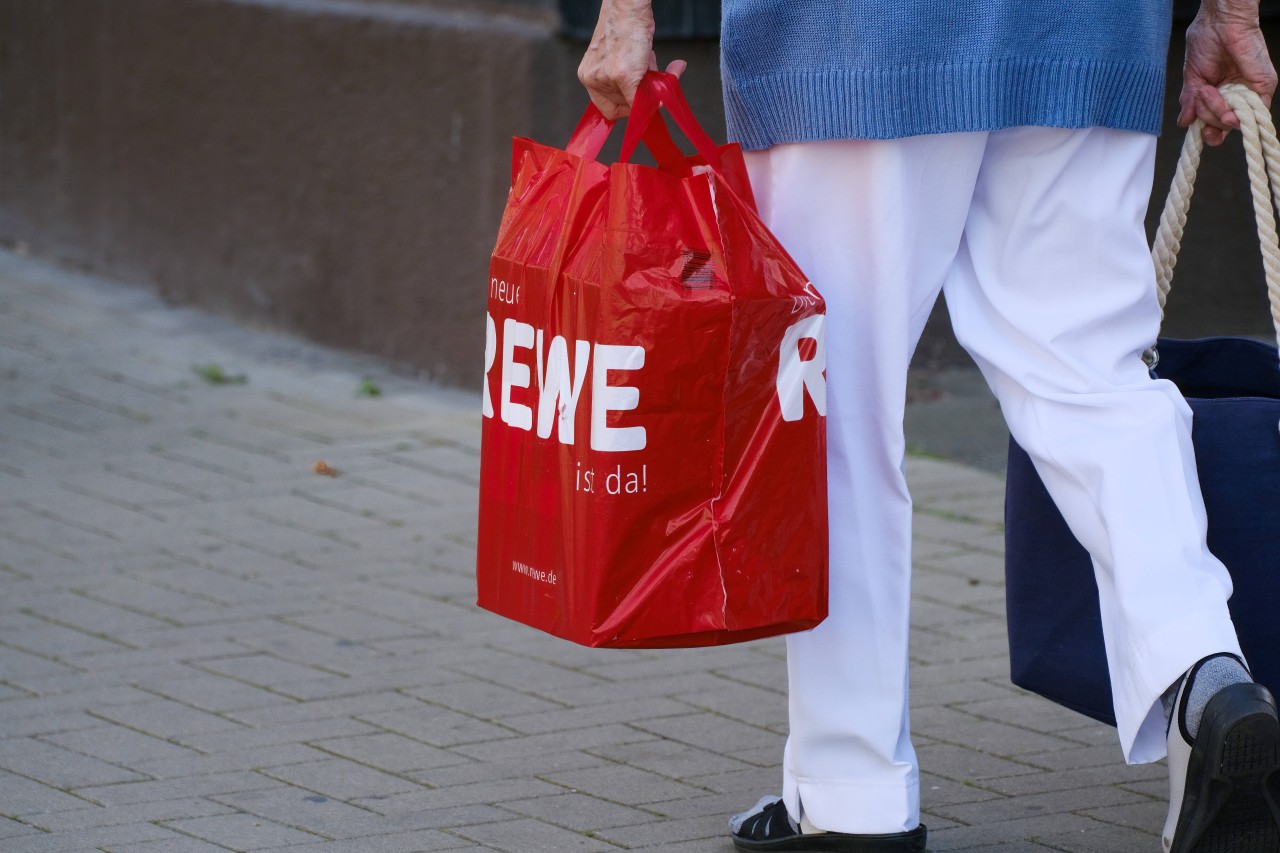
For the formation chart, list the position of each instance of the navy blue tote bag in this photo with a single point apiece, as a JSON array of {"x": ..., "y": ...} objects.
[{"x": 1233, "y": 388}]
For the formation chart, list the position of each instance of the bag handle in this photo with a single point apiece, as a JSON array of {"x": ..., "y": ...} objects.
[
  {"x": 660, "y": 89},
  {"x": 657, "y": 89},
  {"x": 593, "y": 130},
  {"x": 1262, "y": 153}
]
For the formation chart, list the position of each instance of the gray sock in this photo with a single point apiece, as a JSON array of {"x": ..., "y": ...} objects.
[{"x": 1208, "y": 677}]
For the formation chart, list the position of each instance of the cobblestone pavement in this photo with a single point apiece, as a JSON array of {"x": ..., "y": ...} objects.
[{"x": 207, "y": 645}]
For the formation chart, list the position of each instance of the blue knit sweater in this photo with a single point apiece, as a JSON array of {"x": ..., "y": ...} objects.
[{"x": 805, "y": 70}]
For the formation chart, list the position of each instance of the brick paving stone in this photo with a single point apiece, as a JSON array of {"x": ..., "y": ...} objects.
[
  {"x": 49, "y": 639},
  {"x": 342, "y": 779},
  {"x": 487, "y": 701},
  {"x": 183, "y": 844},
  {"x": 1151, "y": 780},
  {"x": 520, "y": 835},
  {"x": 210, "y": 693},
  {"x": 241, "y": 831},
  {"x": 1078, "y": 800},
  {"x": 96, "y": 692},
  {"x": 7, "y": 693},
  {"x": 718, "y": 805},
  {"x": 1156, "y": 786},
  {"x": 91, "y": 839},
  {"x": 304, "y": 809},
  {"x": 580, "y": 812},
  {"x": 168, "y": 809},
  {"x": 195, "y": 580},
  {"x": 628, "y": 785},
  {"x": 87, "y": 614},
  {"x": 262, "y": 669},
  {"x": 202, "y": 785},
  {"x": 327, "y": 656},
  {"x": 1102, "y": 755},
  {"x": 59, "y": 767},
  {"x": 391, "y": 752},
  {"x": 12, "y": 829},
  {"x": 438, "y": 727},
  {"x": 674, "y": 831},
  {"x": 354, "y": 626},
  {"x": 22, "y": 796},
  {"x": 937, "y": 793},
  {"x": 119, "y": 745},
  {"x": 295, "y": 712},
  {"x": 1019, "y": 847},
  {"x": 989, "y": 736},
  {"x": 709, "y": 731},
  {"x": 417, "y": 841},
  {"x": 766, "y": 709},
  {"x": 1143, "y": 813},
  {"x": 602, "y": 693},
  {"x": 205, "y": 645},
  {"x": 965, "y": 765},
  {"x": 669, "y": 758},
  {"x": 168, "y": 719},
  {"x": 377, "y": 681},
  {"x": 526, "y": 767},
  {"x": 990, "y": 833},
  {"x": 21, "y": 667},
  {"x": 641, "y": 711},
  {"x": 458, "y": 796},
  {"x": 1102, "y": 839},
  {"x": 283, "y": 736},
  {"x": 47, "y": 724}
]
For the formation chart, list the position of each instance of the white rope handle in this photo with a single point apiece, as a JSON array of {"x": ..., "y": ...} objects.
[{"x": 1262, "y": 153}]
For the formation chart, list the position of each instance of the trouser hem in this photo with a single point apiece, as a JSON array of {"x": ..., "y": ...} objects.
[
  {"x": 838, "y": 805},
  {"x": 1158, "y": 661}
]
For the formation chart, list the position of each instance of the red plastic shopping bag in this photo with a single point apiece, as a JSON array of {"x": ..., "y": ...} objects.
[{"x": 653, "y": 452}]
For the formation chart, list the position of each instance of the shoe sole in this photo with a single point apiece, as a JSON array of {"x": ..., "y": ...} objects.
[
  {"x": 837, "y": 842},
  {"x": 1230, "y": 803}
]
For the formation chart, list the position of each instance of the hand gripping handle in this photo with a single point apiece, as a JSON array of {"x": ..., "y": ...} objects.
[
  {"x": 1262, "y": 153},
  {"x": 657, "y": 90}
]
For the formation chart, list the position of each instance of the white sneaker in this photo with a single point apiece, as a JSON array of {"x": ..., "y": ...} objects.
[{"x": 1224, "y": 790}]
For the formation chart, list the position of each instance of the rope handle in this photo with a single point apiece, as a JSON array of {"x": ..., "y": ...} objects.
[{"x": 1262, "y": 153}]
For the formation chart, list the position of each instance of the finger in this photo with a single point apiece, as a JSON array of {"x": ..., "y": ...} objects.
[
  {"x": 1187, "y": 110},
  {"x": 1214, "y": 109},
  {"x": 1212, "y": 136},
  {"x": 611, "y": 108},
  {"x": 677, "y": 67}
]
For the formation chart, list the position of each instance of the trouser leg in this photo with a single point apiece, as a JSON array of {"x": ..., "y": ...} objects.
[
  {"x": 1053, "y": 294},
  {"x": 876, "y": 225}
]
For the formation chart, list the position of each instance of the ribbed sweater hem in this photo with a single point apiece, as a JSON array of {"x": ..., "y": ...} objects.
[{"x": 893, "y": 102}]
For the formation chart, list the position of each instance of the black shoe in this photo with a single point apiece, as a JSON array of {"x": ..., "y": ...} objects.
[
  {"x": 769, "y": 827},
  {"x": 1224, "y": 787}
]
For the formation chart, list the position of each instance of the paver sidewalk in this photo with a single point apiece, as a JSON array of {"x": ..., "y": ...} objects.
[{"x": 207, "y": 645}]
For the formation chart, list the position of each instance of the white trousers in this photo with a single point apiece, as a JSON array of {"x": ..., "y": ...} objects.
[{"x": 1036, "y": 237}]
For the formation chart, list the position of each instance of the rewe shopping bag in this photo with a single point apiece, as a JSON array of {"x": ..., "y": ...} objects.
[
  {"x": 1233, "y": 388},
  {"x": 653, "y": 446}
]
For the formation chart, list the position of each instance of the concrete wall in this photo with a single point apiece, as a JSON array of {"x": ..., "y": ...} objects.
[{"x": 338, "y": 167}]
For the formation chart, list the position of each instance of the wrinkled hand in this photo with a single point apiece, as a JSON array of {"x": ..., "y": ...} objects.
[
  {"x": 620, "y": 53},
  {"x": 1224, "y": 45}
]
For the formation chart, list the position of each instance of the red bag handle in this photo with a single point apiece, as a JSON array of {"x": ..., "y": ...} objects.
[
  {"x": 657, "y": 90},
  {"x": 593, "y": 129},
  {"x": 590, "y": 134},
  {"x": 660, "y": 89}
]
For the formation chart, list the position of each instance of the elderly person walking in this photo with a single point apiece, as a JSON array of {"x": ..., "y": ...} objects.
[{"x": 1002, "y": 153}]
